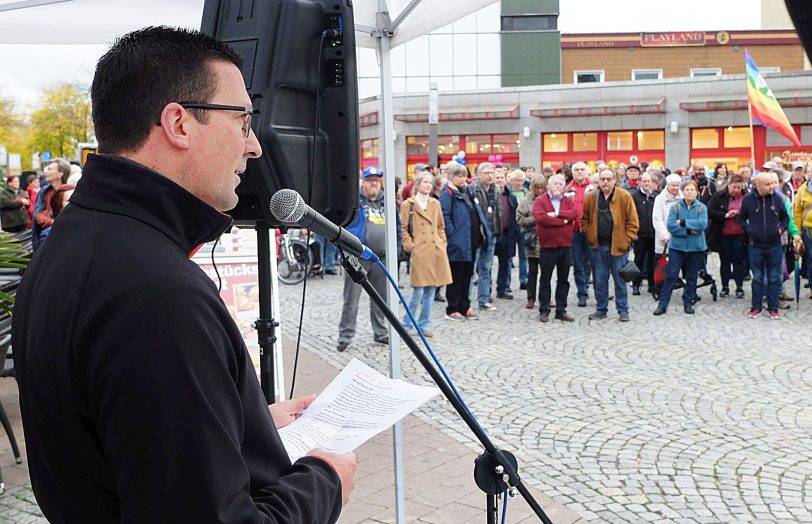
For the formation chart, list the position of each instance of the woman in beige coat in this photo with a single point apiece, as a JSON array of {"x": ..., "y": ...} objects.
[{"x": 424, "y": 239}]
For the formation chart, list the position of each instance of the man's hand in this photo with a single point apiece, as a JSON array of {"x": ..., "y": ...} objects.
[
  {"x": 551, "y": 214},
  {"x": 286, "y": 411},
  {"x": 344, "y": 465}
]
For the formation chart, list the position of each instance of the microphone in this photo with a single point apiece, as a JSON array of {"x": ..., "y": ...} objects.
[{"x": 289, "y": 207}]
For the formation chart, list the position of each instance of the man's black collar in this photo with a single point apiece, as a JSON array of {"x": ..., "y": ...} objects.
[{"x": 118, "y": 185}]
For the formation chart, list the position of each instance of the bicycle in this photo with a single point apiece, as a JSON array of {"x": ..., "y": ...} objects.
[{"x": 295, "y": 258}]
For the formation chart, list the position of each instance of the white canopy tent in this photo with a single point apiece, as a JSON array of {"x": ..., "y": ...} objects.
[{"x": 379, "y": 24}]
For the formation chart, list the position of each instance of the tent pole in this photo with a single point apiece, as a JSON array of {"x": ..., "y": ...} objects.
[{"x": 388, "y": 147}]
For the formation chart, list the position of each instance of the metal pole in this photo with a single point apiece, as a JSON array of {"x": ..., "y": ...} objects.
[
  {"x": 387, "y": 143},
  {"x": 434, "y": 118}
]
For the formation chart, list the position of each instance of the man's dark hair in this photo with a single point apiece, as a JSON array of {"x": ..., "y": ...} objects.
[{"x": 143, "y": 72}]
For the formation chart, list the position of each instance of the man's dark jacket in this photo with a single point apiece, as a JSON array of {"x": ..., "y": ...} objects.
[
  {"x": 139, "y": 400},
  {"x": 764, "y": 218},
  {"x": 645, "y": 211}
]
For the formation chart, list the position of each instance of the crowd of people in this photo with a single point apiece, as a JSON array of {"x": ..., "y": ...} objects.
[
  {"x": 35, "y": 202},
  {"x": 626, "y": 224}
]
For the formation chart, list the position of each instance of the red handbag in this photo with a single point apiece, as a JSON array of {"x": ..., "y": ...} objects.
[{"x": 661, "y": 270}]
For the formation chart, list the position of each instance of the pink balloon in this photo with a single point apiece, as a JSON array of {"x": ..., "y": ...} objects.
[
  {"x": 498, "y": 158},
  {"x": 491, "y": 158}
]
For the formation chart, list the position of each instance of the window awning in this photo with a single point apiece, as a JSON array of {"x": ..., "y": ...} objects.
[
  {"x": 599, "y": 108},
  {"x": 451, "y": 114},
  {"x": 737, "y": 102}
]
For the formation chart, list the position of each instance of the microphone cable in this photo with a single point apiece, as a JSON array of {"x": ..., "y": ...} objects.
[{"x": 310, "y": 174}]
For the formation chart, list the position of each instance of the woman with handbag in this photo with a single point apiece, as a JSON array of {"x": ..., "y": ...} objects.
[
  {"x": 687, "y": 221},
  {"x": 524, "y": 216},
  {"x": 424, "y": 239}
]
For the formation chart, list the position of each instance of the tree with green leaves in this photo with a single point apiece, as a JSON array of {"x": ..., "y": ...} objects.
[{"x": 62, "y": 120}]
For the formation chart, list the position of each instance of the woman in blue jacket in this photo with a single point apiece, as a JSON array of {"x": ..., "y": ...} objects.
[{"x": 687, "y": 221}]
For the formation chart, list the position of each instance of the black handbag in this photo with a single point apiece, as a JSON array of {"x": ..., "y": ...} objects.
[{"x": 629, "y": 271}]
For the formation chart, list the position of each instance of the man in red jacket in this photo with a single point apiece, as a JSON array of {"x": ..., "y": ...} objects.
[
  {"x": 555, "y": 215},
  {"x": 578, "y": 189}
]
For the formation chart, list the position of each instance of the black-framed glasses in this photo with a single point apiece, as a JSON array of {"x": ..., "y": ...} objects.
[
  {"x": 246, "y": 124},
  {"x": 247, "y": 113}
]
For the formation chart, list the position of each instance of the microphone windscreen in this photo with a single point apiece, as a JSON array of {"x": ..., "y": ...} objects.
[{"x": 288, "y": 206}]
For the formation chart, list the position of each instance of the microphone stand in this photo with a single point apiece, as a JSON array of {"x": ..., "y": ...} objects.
[
  {"x": 265, "y": 324},
  {"x": 495, "y": 470}
]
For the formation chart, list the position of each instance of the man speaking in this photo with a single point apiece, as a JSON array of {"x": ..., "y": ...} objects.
[{"x": 139, "y": 400}]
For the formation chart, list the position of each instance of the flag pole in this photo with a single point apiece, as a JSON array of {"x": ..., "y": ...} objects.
[{"x": 752, "y": 138}]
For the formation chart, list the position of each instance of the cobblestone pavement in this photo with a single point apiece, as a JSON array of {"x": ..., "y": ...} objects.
[{"x": 687, "y": 419}]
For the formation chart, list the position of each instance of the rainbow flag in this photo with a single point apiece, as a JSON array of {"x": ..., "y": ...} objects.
[{"x": 764, "y": 108}]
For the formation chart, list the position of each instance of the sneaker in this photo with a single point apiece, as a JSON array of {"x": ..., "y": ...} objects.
[
  {"x": 624, "y": 317},
  {"x": 544, "y": 317},
  {"x": 456, "y": 316},
  {"x": 597, "y": 316},
  {"x": 739, "y": 293},
  {"x": 564, "y": 317},
  {"x": 341, "y": 346},
  {"x": 659, "y": 311},
  {"x": 523, "y": 286},
  {"x": 530, "y": 304},
  {"x": 782, "y": 304},
  {"x": 582, "y": 301},
  {"x": 754, "y": 313},
  {"x": 725, "y": 292},
  {"x": 471, "y": 314},
  {"x": 507, "y": 295},
  {"x": 427, "y": 333},
  {"x": 382, "y": 340},
  {"x": 689, "y": 310},
  {"x": 636, "y": 291},
  {"x": 774, "y": 314},
  {"x": 696, "y": 299},
  {"x": 487, "y": 307}
]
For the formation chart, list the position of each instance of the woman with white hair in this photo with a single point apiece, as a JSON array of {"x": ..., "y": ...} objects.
[
  {"x": 659, "y": 216},
  {"x": 424, "y": 239}
]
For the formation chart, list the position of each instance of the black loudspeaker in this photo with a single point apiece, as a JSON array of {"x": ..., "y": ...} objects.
[
  {"x": 300, "y": 72},
  {"x": 801, "y": 13}
]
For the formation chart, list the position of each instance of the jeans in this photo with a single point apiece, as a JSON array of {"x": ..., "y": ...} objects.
[
  {"x": 483, "y": 270},
  {"x": 456, "y": 293},
  {"x": 328, "y": 251},
  {"x": 676, "y": 260},
  {"x": 558, "y": 258},
  {"x": 580, "y": 252},
  {"x": 731, "y": 253},
  {"x": 806, "y": 235},
  {"x": 604, "y": 264},
  {"x": 523, "y": 264},
  {"x": 766, "y": 265},
  {"x": 532, "y": 278},
  {"x": 423, "y": 297}
]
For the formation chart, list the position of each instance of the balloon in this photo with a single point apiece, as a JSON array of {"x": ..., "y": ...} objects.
[
  {"x": 498, "y": 158},
  {"x": 491, "y": 158},
  {"x": 461, "y": 154},
  {"x": 462, "y": 161},
  {"x": 455, "y": 158}
]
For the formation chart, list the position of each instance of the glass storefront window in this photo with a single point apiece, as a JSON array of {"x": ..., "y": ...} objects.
[
  {"x": 619, "y": 141},
  {"x": 506, "y": 143},
  {"x": 737, "y": 137},
  {"x": 369, "y": 149},
  {"x": 555, "y": 143},
  {"x": 478, "y": 144},
  {"x": 585, "y": 141},
  {"x": 448, "y": 144},
  {"x": 651, "y": 140},
  {"x": 417, "y": 145},
  {"x": 704, "y": 138}
]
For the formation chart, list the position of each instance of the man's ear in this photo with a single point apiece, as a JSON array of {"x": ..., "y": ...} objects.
[{"x": 175, "y": 122}]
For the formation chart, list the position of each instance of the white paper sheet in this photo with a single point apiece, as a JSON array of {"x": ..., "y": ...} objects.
[{"x": 357, "y": 405}]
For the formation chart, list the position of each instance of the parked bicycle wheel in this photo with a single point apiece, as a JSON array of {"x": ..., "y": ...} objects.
[{"x": 294, "y": 261}]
